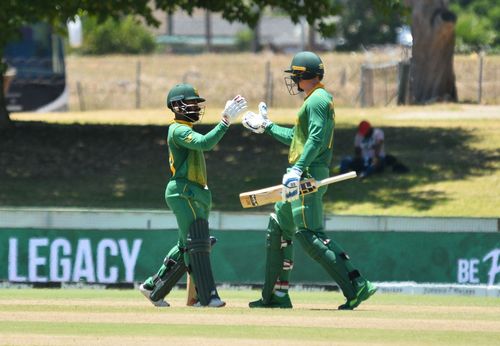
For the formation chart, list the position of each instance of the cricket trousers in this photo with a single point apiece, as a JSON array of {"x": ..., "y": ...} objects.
[{"x": 188, "y": 201}]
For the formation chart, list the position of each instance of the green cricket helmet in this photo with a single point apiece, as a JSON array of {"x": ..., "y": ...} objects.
[
  {"x": 305, "y": 65},
  {"x": 183, "y": 99}
]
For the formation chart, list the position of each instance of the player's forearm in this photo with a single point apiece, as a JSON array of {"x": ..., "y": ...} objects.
[
  {"x": 208, "y": 141},
  {"x": 281, "y": 133}
]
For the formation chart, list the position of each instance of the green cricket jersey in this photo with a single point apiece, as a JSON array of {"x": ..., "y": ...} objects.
[
  {"x": 186, "y": 149},
  {"x": 311, "y": 139}
]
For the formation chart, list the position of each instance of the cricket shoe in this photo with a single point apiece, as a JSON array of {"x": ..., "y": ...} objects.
[
  {"x": 215, "y": 302},
  {"x": 283, "y": 302},
  {"x": 162, "y": 303},
  {"x": 363, "y": 292}
]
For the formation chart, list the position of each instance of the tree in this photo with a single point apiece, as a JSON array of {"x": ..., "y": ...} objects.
[
  {"x": 431, "y": 68},
  {"x": 478, "y": 25},
  {"x": 124, "y": 36},
  {"x": 363, "y": 25}
]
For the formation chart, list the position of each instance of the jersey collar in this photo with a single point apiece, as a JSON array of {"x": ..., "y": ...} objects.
[
  {"x": 183, "y": 122},
  {"x": 317, "y": 86}
]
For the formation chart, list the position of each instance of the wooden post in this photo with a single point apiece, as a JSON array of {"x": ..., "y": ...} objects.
[
  {"x": 403, "y": 82},
  {"x": 385, "y": 85},
  {"x": 138, "y": 86},
  {"x": 79, "y": 91},
  {"x": 480, "y": 79},
  {"x": 268, "y": 82},
  {"x": 366, "y": 91}
]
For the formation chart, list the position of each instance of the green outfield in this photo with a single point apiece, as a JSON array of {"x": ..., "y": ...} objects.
[{"x": 124, "y": 317}]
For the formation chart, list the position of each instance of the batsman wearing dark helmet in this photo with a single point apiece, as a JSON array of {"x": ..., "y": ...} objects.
[
  {"x": 301, "y": 216},
  {"x": 188, "y": 196}
]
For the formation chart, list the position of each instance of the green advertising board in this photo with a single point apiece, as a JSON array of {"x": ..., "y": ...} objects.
[{"x": 126, "y": 256}]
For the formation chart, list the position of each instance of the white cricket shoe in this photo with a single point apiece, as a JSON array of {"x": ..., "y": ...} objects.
[
  {"x": 162, "y": 303},
  {"x": 215, "y": 302}
]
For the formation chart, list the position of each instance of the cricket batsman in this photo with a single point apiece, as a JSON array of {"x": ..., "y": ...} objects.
[
  {"x": 301, "y": 216},
  {"x": 188, "y": 196}
]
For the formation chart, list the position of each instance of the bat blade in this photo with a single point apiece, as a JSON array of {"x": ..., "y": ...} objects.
[
  {"x": 272, "y": 194},
  {"x": 191, "y": 292},
  {"x": 260, "y": 197}
]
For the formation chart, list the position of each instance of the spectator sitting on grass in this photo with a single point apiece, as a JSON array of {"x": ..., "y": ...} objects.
[{"x": 369, "y": 153}]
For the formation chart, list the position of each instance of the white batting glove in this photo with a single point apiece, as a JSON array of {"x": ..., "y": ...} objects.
[
  {"x": 257, "y": 123},
  {"x": 263, "y": 112},
  {"x": 291, "y": 184},
  {"x": 234, "y": 108},
  {"x": 254, "y": 122}
]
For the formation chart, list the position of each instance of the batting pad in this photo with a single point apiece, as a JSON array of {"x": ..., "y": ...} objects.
[
  {"x": 274, "y": 258},
  {"x": 199, "y": 261},
  {"x": 324, "y": 255},
  {"x": 165, "y": 283}
]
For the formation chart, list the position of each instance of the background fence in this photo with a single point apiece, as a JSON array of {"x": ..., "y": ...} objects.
[{"x": 125, "y": 82}]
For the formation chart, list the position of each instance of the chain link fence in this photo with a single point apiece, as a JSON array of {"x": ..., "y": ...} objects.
[{"x": 127, "y": 82}]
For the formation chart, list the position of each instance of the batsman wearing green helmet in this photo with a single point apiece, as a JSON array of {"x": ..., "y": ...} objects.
[
  {"x": 188, "y": 196},
  {"x": 301, "y": 216}
]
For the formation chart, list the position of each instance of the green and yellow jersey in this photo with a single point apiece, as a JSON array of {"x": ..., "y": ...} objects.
[
  {"x": 186, "y": 148},
  {"x": 311, "y": 139}
]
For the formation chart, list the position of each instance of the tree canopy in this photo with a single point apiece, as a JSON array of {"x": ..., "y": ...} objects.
[
  {"x": 362, "y": 24},
  {"x": 478, "y": 24}
]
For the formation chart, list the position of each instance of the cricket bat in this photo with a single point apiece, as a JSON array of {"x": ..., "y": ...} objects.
[
  {"x": 272, "y": 194},
  {"x": 191, "y": 292}
]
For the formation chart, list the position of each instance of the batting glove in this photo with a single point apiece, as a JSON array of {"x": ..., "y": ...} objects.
[
  {"x": 263, "y": 113},
  {"x": 254, "y": 122},
  {"x": 291, "y": 184},
  {"x": 257, "y": 123},
  {"x": 234, "y": 108}
]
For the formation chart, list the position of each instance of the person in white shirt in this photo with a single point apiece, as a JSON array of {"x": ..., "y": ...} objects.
[{"x": 369, "y": 152}]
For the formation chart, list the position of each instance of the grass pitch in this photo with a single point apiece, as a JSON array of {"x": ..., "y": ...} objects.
[{"x": 124, "y": 317}]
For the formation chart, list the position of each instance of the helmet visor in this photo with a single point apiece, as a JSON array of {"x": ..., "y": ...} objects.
[
  {"x": 191, "y": 109},
  {"x": 292, "y": 84}
]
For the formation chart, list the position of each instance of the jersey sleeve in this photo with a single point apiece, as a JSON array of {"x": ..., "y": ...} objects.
[
  {"x": 317, "y": 132},
  {"x": 357, "y": 140},
  {"x": 281, "y": 133},
  {"x": 185, "y": 136}
]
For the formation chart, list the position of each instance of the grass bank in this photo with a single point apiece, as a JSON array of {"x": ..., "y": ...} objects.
[{"x": 118, "y": 159}]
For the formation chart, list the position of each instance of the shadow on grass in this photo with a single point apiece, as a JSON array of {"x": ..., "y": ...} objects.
[
  {"x": 127, "y": 166},
  {"x": 433, "y": 155}
]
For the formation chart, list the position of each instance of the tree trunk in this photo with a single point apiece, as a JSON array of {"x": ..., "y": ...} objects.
[
  {"x": 4, "y": 114},
  {"x": 256, "y": 38},
  {"x": 432, "y": 78},
  {"x": 311, "y": 42},
  {"x": 208, "y": 31}
]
